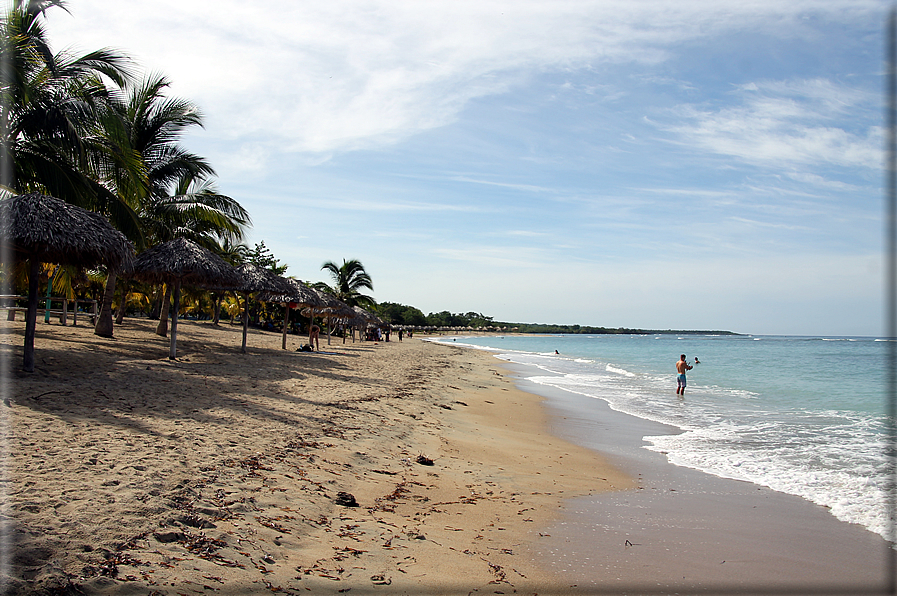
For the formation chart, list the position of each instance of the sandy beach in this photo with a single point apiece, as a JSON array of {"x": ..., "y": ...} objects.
[{"x": 227, "y": 473}]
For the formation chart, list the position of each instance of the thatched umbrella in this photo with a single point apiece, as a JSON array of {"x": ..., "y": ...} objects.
[
  {"x": 296, "y": 295},
  {"x": 181, "y": 261},
  {"x": 332, "y": 307},
  {"x": 257, "y": 279},
  {"x": 361, "y": 319},
  {"x": 43, "y": 229}
]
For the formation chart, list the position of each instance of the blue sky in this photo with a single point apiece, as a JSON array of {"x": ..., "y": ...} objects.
[{"x": 686, "y": 165}]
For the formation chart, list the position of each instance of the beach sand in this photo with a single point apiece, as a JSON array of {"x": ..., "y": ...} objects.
[{"x": 221, "y": 472}]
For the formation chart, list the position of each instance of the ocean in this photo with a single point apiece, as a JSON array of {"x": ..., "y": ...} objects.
[{"x": 801, "y": 415}]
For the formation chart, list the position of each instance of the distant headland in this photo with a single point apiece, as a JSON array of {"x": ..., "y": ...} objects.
[
  {"x": 404, "y": 315},
  {"x": 540, "y": 328}
]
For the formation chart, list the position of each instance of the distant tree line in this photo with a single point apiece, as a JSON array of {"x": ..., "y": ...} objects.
[{"x": 400, "y": 314}]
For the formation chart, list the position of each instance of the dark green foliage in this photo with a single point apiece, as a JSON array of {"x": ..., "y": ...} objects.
[
  {"x": 348, "y": 279},
  {"x": 261, "y": 256},
  {"x": 399, "y": 314},
  {"x": 542, "y": 328},
  {"x": 447, "y": 319}
]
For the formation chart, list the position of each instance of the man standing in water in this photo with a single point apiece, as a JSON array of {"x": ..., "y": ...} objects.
[{"x": 681, "y": 367}]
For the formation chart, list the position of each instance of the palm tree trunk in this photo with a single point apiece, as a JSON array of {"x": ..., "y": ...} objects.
[
  {"x": 173, "y": 348},
  {"x": 218, "y": 298},
  {"x": 31, "y": 316},
  {"x": 162, "y": 327},
  {"x": 245, "y": 323},
  {"x": 157, "y": 305},
  {"x": 104, "y": 320},
  {"x": 123, "y": 303}
]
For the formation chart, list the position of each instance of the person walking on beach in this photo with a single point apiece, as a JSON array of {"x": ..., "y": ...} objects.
[{"x": 681, "y": 367}]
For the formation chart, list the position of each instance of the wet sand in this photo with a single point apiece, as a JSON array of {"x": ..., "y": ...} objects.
[{"x": 683, "y": 531}]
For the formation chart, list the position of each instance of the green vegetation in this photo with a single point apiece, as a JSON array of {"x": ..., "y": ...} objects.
[
  {"x": 261, "y": 256},
  {"x": 400, "y": 314},
  {"x": 539, "y": 328},
  {"x": 348, "y": 279}
]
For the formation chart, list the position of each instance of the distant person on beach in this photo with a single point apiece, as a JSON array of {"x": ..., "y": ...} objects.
[
  {"x": 697, "y": 361},
  {"x": 681, "y": 367},
  {"x": 313, "y": 332}
]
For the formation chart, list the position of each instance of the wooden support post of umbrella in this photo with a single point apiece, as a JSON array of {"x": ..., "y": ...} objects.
[
  {"x": 245, "y": 321},
  {"x": 38, "y": 228},
  {"x": 179, "y": 262},
  {"x": 286, "y": 323}
]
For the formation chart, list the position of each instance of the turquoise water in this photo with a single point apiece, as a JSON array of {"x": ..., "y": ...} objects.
[{"x": 802, "y": 415}]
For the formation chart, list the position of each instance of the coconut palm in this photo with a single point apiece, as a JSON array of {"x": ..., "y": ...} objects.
[
  {"x": 49, "y": 104},
  {"x": 172, "y": 192},
  {"x": 194, "y": 210},
  {"x": 348, "y": 279}
]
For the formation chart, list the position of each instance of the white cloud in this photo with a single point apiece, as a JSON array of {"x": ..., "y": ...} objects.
[
  {"x": 325, "y": 76},
  {"x": 510, "y": 185},
  {"x": 783, "y": 123},
  {"x": 506, "y": 257},
  {"x": 822, "y": 182}
]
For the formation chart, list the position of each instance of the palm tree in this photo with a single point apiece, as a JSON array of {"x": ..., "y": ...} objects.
[
  {"x": 49, "y": 104},
  {"x": 348, "y": 279},
  {"x": 195, "y": 210},
  {"x": 172, "y": 191}
]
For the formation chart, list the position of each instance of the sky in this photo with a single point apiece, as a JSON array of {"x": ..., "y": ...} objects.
[{"x": 619, "y": 163}]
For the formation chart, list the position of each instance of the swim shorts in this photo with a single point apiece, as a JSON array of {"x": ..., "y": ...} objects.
[{"x": 681, "y": 379}]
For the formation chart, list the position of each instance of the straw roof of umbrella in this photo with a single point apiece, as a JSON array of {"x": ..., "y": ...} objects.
[
  {"x": 362, "y": 318},
  {"x": 49, "y": 229},
  {"x": 181, "y": 261},
  {"x": 45, "y": 229},
  {"x": 185, "y": 261},
  {"x": 295, "y": 292},
  {"x": 331, "y": 305},
  {"x": 366, "y": 316},
  {"x": 258, "y": 279}
]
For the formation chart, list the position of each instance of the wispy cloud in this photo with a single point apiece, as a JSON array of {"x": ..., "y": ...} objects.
[
  {"x": 782, "y": 123},
  {"x": 355, "y": 204},
  {"x": 511, "y": 185},
  {"x": 326, "y": 76}
]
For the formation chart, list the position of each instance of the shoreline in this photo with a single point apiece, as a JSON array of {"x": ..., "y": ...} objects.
[
  {"x": 685, "y": 530},
  {"x": 221, "y": 473}
]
